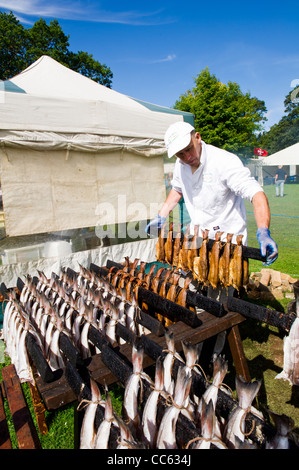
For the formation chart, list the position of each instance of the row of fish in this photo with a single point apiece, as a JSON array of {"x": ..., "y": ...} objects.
[
  {"x": 65, "y": 305},
  {"x": 152, "y": 420},
  {"x": 164, "y": 282},
  {"x": 222, "y": 265}
]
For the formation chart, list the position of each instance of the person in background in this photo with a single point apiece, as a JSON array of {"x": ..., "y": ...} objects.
[{"x": 280, "y": 179}]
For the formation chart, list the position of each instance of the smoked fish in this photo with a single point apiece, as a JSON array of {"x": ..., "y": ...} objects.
[
  {"x": 213, "y": 276},
  {"x": 224, "y": 261},
  {"x": 201, "y": 262}
]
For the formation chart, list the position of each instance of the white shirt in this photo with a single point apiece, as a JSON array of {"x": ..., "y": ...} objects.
[{"x": 214, "y": 193}]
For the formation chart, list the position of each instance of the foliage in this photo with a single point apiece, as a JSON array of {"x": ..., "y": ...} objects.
[
  {"x": 224, "y": 116},
  {"x": 286, "y": 132},
  {"x": 20, "y": 47}
]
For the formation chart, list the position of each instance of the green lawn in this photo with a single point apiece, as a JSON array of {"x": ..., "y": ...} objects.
[{"x": 284, "y": 229}]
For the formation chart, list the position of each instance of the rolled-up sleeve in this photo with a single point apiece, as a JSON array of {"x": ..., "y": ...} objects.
[
  {"x": 239, "y": 179},
  {"x": 176, "y": 181}
]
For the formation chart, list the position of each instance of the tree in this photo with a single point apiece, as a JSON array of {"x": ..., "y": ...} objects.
[
  {"x": 224, "y": 116},
  {"x": 47, "y": 39},
  {"x": 286, "y": 131},
  {"x": 20, "y": 47},
  {"x": 13, "y": 43}
]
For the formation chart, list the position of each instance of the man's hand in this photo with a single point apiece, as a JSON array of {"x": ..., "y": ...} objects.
[
  {"x": 268, "y": 246},
  {"x": 154, "y": 225}
]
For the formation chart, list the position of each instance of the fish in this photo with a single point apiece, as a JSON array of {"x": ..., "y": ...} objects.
[
  {"x": 160, "y": 250},
  {"x": 163, "y": 290},
  {"x": 141, "y": 274},
  {"x": 55, "y": 357},
  {"x": 208, "y": 420},
  {"x": 193, "y": 250},
  {"x": 246, "y": 392},
  {"x": 16, "y": 344},
  {"x": 168, "y": 245},
  {"x": 126, "y": 439},
  {"x": 166, "y": 438},
  {"x": 49, "y": 332},
  {"x": 168, "y": 362},
  {"x": 213, "y": 276},
  {"x": 103, "y": 432},
  {"x": 176, "y": 247},
  {"x": 245, "y": 272},
  {"x": 284, "y": 425},
  {"x": 172, "y": 291},
  {"x": 149, "y": 415},
  {"x": 201, "y": 262},
  {"x": 156, "y": 280},
  {"x": 290, "y": 370},
  {"x": 191, "y": 353},
  {"x": 8, "y": 310},
  {"x": 111, "y": 326},
  {"x": 220, "y": 368},
  {"x": 87, "y": 433},
  {"x": 163, "y": 293},
  {"x": 148, "y": 276},
  {"x": 224, "y": 261},
  {"x": 131, "y": 311},
  {"x": 183, "y": 254},
  {"x": 236, "y": 265},
  {"x": 133, "y": 385},
  {"x": 182, "y": 294}
]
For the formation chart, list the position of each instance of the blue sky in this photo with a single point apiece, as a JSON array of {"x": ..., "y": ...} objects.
[{"x": 156, "y": 49}]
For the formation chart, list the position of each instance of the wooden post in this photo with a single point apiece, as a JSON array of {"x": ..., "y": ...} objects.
[{"x": 236, "y": 347}]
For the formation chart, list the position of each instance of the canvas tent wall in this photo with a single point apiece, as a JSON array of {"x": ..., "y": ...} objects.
[{"x": 76, "y": 154}]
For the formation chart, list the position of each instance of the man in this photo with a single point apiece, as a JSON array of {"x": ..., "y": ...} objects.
[
  {"x": 213, "y": 183},
  {"x": 280, "y": 179}
]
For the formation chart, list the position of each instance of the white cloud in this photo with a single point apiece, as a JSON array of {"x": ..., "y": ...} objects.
[
  {"x": 83, "y": 11},
  {"x": 169, "y": 58}
]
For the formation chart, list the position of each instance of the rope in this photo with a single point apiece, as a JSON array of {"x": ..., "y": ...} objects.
[
  {"x": 201, "y": 438},
  {"x": 243, "y": 420},
  {"x": 89, "y": 402},
  {"x": 171, "y": 402}
]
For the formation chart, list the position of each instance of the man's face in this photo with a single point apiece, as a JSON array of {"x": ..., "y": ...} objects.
[{"x": 192, "y": 153}]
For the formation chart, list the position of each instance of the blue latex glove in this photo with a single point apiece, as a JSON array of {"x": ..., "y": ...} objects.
[
  {"x": 154, "y": 225},
  {"x": 268, "y": 246}
]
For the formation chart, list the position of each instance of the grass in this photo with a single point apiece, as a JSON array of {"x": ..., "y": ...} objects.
[{"x": 284, "y": 229}]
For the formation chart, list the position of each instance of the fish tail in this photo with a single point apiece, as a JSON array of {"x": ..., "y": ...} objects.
[
  {"x": 169, "y": 337},
  {"x": 95, "y": 391},
  {"x": 246, "y": 391},
  {"x": 191, "y": 353},
  {"x": 220, "y": 369},
  {"x": 159, "y": 374}
]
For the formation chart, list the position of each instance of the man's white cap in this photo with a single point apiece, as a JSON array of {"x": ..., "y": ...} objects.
[{"x": 177, "y": 137}]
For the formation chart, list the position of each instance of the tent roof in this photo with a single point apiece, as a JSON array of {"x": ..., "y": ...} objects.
[
  {"x": 287, "y": 156},
  {"x": 50, "y": 97}
]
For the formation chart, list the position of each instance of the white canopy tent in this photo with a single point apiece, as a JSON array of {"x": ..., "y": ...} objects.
[
  {"x": 288, "y": 157},
  {"x": 77, "y": 154}
]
